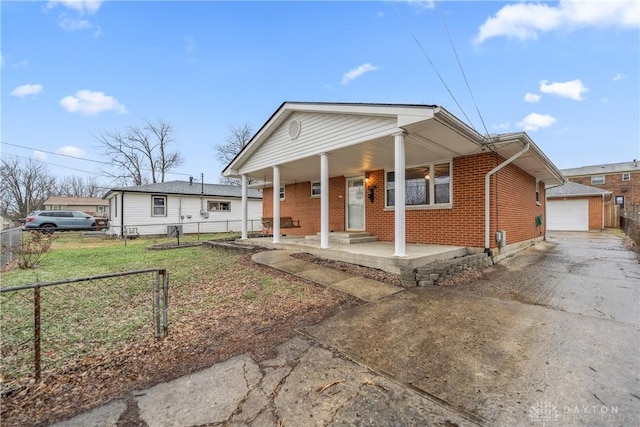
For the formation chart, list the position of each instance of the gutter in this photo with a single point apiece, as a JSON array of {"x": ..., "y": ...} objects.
[{"x": 487, "y": 198}]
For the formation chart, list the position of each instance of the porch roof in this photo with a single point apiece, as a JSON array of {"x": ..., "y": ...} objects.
[{"x": 360, "y": 138}]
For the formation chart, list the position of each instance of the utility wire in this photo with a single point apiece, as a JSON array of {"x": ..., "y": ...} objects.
[
  {"x": 431, "y": 63},
  {"x": 444, "y": 23},
  {"x": 77, "y": 158}
]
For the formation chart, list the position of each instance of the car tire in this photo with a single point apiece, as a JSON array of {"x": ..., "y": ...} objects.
[{"x": 48, "y": 228}]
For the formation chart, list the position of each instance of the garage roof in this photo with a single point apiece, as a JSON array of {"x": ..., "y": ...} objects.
[{"x": 573, "y": 189}]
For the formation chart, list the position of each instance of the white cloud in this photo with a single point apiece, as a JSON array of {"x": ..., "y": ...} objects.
[
  {"x": 535, "y": 121},
  {"x": 83, "y": 7},
  {"x": 88, "y": 102},
  {"x": 532, "y": 97},
  {"x": 572, "y": 89},
  {"x": 619, "y": 77},
  {"x": 73, "y": 24},
  {"x": 39, "y": 155},
  {"x": 70, "y": 150},
  {"x": 357, "y": 72},
  {"x": 423, "y": 4},
  {"x": 26, "y": 90},
  {"x": 525, "y": 21},
  {"x": 501, "y": 126}
]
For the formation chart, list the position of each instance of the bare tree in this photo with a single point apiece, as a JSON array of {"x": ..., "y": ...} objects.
[
  {"x": 25, "y": 186},
  {"x": 235, "y": 142},
  {"x": 74, "y": 186},
  {"x": 141, "y": 154}
]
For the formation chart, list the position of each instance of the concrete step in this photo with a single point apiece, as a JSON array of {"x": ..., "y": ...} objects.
[{"x": 346, "y": 237}]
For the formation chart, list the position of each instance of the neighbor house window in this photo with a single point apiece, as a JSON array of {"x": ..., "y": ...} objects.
[
  {"x": 424, "y": 185},
  {"x": 620, "y": 200},
  {"x": 218, "y": 206},
  {"x": 315, "y": 189},
  {"x": 597, "y": 179},
  {"x": 100, "y": 209},
  {"x": 159, "y": 205},
  {"x": 626, "y": 176},
  {"x": 282, "y": 194},
  {"x": 537, "y": 192}
]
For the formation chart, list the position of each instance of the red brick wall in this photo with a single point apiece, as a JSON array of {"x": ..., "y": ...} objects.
[
  {"x": 595, "y": 213},
  {"x": 613, "y": 182},
  {"x": 462, "y": 225},
  {"x": 516, "y": 204},
  {"x": 299, "y": 205}
]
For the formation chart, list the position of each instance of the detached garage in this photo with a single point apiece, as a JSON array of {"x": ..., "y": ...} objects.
[{"x": 575, "y": 207}]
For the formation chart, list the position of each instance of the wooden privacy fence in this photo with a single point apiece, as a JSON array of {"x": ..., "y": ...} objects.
[{"x": 612, "y": 216}]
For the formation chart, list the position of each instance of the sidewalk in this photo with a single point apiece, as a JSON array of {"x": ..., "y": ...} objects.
[{"x": 360, "y": 287}]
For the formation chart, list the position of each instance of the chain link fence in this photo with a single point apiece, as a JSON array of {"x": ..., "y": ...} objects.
[
  {"x": 48, "y": 325},
  {"x": 9, "y": 239}
]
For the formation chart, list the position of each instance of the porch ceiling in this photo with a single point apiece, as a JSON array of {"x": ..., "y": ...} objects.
[{"x": 420, "y": 148}]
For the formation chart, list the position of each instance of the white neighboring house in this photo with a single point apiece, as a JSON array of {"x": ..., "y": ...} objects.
[{"x": 199, "y": 208}]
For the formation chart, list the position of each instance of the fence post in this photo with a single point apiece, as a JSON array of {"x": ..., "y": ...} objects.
[
  {"x": 36, "y": 333},
  {"x": 156, "y": 303},
  {"x": 165, "y": 300}
]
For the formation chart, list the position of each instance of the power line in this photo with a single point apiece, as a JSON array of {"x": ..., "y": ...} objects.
[
  {"x": 432, "y": 64},
  {"x": 444, "y": 23},
  {"x": 78, "y": 158}
]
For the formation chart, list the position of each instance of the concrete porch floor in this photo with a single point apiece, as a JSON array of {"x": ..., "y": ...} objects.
[{"x": 372, "y": 254}]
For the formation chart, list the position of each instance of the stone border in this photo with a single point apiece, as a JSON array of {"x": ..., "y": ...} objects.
[{"x": 434, "y": 273}]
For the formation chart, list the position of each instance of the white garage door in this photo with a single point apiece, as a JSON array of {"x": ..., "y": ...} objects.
[{"x": 568, "y": 215}]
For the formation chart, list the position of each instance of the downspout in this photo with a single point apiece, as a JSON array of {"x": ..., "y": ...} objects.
[
  {"x": 603, "y": 224},
  {"x": 487, "y": 198}
]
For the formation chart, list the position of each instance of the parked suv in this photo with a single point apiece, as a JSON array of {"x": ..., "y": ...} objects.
[{"x": 50, "y": 221}]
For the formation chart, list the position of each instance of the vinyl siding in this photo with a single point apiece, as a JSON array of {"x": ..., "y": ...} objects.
[
  {"x": 320, "y": 132},
  {"x": 137, "y": 213}
]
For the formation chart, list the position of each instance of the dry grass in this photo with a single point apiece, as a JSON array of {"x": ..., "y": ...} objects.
[{"x": 241, "y": 307}]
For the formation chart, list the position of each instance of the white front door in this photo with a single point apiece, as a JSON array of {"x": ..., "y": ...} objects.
[{"x": 355, "y": 203}]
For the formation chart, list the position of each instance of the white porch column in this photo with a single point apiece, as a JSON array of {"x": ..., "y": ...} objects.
[
  {"x": 276, "y": 204},
  {"x": 324, "y": 201},
  {"x": 244, "y": 206},
  {"x": 399, "y": 187}
]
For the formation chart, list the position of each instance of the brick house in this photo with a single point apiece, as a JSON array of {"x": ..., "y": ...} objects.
[
  {"x": 621, "y": 179},
  {"x": 402, "y": 173}
]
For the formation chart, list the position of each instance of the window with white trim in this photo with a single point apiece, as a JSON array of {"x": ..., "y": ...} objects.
[
  {"x": 282, "y": 193},
  {"x": 100, "y": 209},
  {"x": 158, "y": 205},
  {"x": 597, "y": 179},
  {"x": 217, "y": 206},
  {"x": 626, "y": 176},
  {"x": 537, "y": 192},
  {"x": 315, "y": 189},
  {"x": 620, "y": 200},
  {"x": 428, "y": 185}
]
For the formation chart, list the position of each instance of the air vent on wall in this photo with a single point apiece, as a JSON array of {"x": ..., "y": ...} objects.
[{"x": 294, "y": 129}]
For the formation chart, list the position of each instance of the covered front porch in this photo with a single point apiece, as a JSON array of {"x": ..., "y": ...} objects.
[{"x": 371, "y": 254}]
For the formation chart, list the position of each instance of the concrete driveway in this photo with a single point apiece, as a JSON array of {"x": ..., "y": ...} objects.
[{"x": 548, "y": 337}]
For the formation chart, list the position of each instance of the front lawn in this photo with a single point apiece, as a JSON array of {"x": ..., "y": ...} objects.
[{"x": 220, "y": 304}]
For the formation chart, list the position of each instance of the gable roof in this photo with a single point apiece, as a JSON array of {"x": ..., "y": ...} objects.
[
  {"x": 573, "y": 189},
  {"x": 187, "y": 188},
  {"x": 360, "y": 138},
  {"x": 76, "y": 201},
  {"x": 632, "y": 166}
]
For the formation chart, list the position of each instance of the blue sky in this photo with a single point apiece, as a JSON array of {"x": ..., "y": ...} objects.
[{"x": 566, "y": 72}]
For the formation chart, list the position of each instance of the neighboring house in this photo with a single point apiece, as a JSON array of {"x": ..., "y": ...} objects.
[
  {"x": 403, "y": 173},
  {"x": 576, "y": 207},
  {"x": 198, "y": 208},
  {"x": 94, "y": 206},
  {"x": 5, "y": 223},
  {"x": 621, "y": 179}
]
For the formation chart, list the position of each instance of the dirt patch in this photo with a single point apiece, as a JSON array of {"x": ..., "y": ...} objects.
[
  {"x": 358, "y": 270},
  {"x": 248, "y": 312}
]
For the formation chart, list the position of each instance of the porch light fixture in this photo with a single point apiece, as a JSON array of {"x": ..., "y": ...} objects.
[
  {"x": 367, "y": 178},
  {"x": 372, "y": 195}
]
